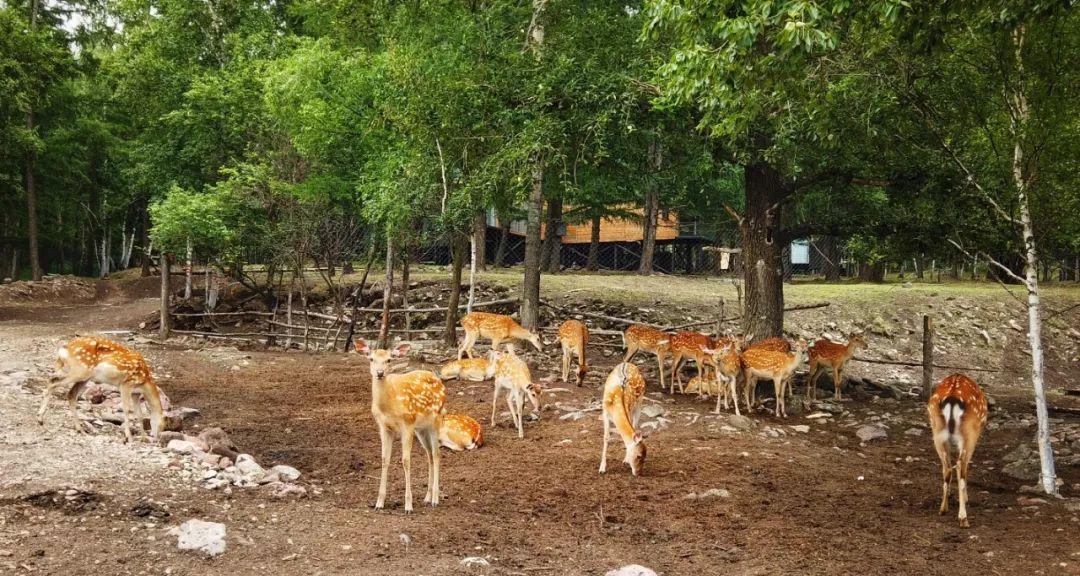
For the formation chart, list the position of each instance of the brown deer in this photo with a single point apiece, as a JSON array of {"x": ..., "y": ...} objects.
[
  {"x": 622, "y": 392},
  {"x": 573, "y": 337},
  {"x": 958, "y": 412},
  {"x": 495, "y": 327},
  {"x": 728, "y": 363},
  {"x": 512, "y": 373},
  {"x": 411, "y": 404},
  {"x": 771, "y": 365},
  {"x": 689, "y": 345},
  {"x": 460, "y": 432},
  {"x": 106, "y": 362},
  {"x": 826, "y": 353},
  {"x": 472, "y": 369},
  {"x": 776, "y": 344},
  {"x": 638, "y": 337}
]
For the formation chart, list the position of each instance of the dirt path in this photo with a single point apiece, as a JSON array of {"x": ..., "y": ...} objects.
[{"x": 813, "y": 502}]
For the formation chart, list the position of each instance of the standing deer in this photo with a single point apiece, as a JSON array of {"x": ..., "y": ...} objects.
[
  {"x": 410, "y": 404},
  {"x": 957, "y": 411},
  {"x": 689, "y": 345},
  {"x": 622, "y": 391},
  {"x": 728, "y": 363},
  {"x": 826, "y": 353},
  {"x": 776, "y": 344},
  {"x": 460, "y": 432},
  {"x": 495, "y": 327},
  {"x": 472, "y": 369},
  {"x": 771, "y": 365},
  {"x": 512, "y": 373},
  {"x": 106, "y": 362},
  {"x": 573, "y": 337},
  {"x": 638, "y": 337}
]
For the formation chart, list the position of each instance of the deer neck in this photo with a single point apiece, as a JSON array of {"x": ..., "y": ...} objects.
[{"x": 620, "y": 416}]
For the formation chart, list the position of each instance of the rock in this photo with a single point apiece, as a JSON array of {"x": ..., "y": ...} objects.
[
  {"x": 913, "y": 432},
  {"x": 474, "y": 562},
  {"x": 802, "y": 428},
  {"x": 181, "y": 446},
  {"x": 1072, "y": 505},
  {"x": 287, "y": 473},
  {"x": 652, "y": 410},
  {"x": 632, "y": 570},
  {"x": 710, "y": 493},
  {"x": 740, "y": 422},
  {"x": 1028, "y": 501},
  {"x": 248, "y": 466},
  {"x": 871, "y": 432},
  {"x": 817, "y": 415},
  {"x": 286, "y": 489},
  {"x": 205, "y": 537}
]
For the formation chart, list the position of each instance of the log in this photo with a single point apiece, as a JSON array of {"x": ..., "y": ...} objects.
[
  {"x": 598, "y": 316},
  {"x": 920, "y": 365},
  {"x": 728, "y": 318},
  {"x": 239, "y": 313}
]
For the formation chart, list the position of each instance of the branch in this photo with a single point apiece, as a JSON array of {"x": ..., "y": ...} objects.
[
  {"x": 735, "y": 215},
  {"x": 991, "y": 260}
]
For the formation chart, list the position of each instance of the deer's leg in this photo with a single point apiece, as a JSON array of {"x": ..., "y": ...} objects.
[
  {"x": 494, "y": 399},
  {"x": 962, "y": 475},
  {"x": 516, "y": 403},
  {"x": 72, "y": 377},
  {"x": 631, "y": 349},
  {"x": 565, "y": 363},
  {"x": 433, "y": 441},
  {"x": 387, "y": 451},
  {"x": 424, "y": 436},
  {"x": 495, "y": 341},
  {"x": 157, "y": 415},
  {"x": 607, "y": 436},
  {"x": 838, "y": 383},
  {"x": 676, "y": 360},
  {"x": 778, "y": 388},
  {"x": 748, "y": 380},
  {"x": 811, "y": 382},
  {"x": 942, "y": 448},
  {"x": 125, "y": 402},
  {"x": 660, "y": 363},
  {"x": 406, "y": 463},
  {"x": 581, "y": 364},
  {"x": 73, "y": 395},
  {"x": 734, "y": 393},
  {"x": 467, "y": 344}
]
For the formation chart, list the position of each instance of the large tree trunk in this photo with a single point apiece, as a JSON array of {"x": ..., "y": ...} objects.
[
  {"x": 504, "y": 238},
  {"x": 762, "y": 247},
  {"x": 594, "y": 244},
  {"x": 479, "y": 238},
  {"x": 358, "y": 296},
  {"x": 552, "y": 257},
  {"x": 388, "y": 293},
  {"x": 31, "y": 184},
  {"x": 831, "y": 256},
  {"x": 652, "y": 209},
  {"x": 530, "y": 289},
  {"x": 457, "y": 249}
]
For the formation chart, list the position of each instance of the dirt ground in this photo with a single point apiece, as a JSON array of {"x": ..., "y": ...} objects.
[{"x": 783, "y": 501}]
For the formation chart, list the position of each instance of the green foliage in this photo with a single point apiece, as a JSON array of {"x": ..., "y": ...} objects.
[{"x": 184, "y": 215}]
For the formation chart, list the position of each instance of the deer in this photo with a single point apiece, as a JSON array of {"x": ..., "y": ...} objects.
[
  {"x": 689, "y": 345},
  {"x": 958, "y": 411},
  {"x": 622, "y": 391},
  {"x": 106, "y": 362},
  {"x": 512, "y": 373},
  {"x": 728, "y": 363},
  {"x": 573, "y": 337},
  {"x": 496, "y": 327},
  {"x": 776, "y": 344},
  {"x": 826, "y": 353},
  {"x": 472, "y": 369},
  {"x": 772, "y": 365},
  {"x": 651, "y": 340},
  {"x": 460, "y": 432},
  {"x": 411, "y": 404}
]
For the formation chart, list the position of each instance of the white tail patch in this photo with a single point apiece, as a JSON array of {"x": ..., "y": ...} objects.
[{"x": 952, "y": 412}]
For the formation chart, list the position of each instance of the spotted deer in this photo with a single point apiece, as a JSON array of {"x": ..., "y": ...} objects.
[
  {"x": 411, "y": 404},
  {"x": 574, "y": 337},
  {"x": 828, "y": 354},
  {"x": 689, "y": 345},
  {"x": 106, "y": 362},
  {"x": 472, "y": 369},
  {"x": 776, "y": 344},
  {"x": 728, "y": 363},
  {"x": 460, "y": 432},
  {"x": 512, "y": 374},
  {"x": 958, "y": 411},
  {"x": 651, "y": 340},
  {"x": 776, "y": 366},
  {"x": 621, "y": 407},
  {"x": 495, "y": 327}
]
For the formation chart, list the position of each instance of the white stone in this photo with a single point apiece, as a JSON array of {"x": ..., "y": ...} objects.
[
  {"x": 802, "y": 428},
  {"x": 248, "y": 466},
  {"x": 632, "y": 570},
  {"x": 182, "y": 446},
  {"x": 871, "y": 432},
  {"x": 286, "y": 472},
  {"x": 205, "y": 537}
]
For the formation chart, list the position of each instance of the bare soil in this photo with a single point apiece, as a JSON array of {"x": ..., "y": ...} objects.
[{"x": 800, "y": 503}]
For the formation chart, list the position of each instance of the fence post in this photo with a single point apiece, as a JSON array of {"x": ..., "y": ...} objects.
[
  {"x": 166, "y": 291},
  {"x": 720, "y": 319},
  {"x": 927, "y": 357}
]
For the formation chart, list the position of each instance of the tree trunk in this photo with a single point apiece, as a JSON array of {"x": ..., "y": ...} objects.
[
  {"x": 474, "y": 249},
  {"x": 504, "y": 238},
  {"x": 405, "y": 265},
  {"x": 831, "y": 253},
  {"x": 594, "y": 244},
  {"x": 388, "y": 293},
  {"x": 552, "y": 257},
  {"x": 189, "y": 256},
  {"x": 762, "y": 248},
  {"x": 31, "y": 184},
  {"x": 457, "y": 249},
  {"x": 144, "y": 239},
  {"x": 652, "y": 209},
  {"x": 530, "y": 289},
  {"x": 480, "y": 240},
  {"x": 358, "y": 295},
  {"x": 166, "y": 290}
]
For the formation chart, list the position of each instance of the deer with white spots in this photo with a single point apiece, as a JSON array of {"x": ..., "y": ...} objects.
[
  {"x": 574, "y": 337},
  {"x": 728, "y": 362},
  {"x": 622, "y": 394},
  {"x": 828, "y": 354},
  {"x": 651, "y": 340},
  {"x": 495, "y": 327},
  {"x": 461, "y": 432},
  {"x": 958, "y": 412},
  {"x": 471, "y": 369},
  {"x": 106, "y": 362},
  {"x": 512, "y": 374},
  {"x": 411, "y": 404},
  {"x": 759, "y": 363}
]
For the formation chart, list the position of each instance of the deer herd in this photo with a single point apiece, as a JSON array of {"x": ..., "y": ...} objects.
[{"x": 413, "y": 403}]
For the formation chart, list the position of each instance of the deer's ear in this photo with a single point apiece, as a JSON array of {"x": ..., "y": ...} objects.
[
  {"x": 361, "y": 347},
  {"x": 638, "y": 437},
  {"x": 401, "y": 349}
]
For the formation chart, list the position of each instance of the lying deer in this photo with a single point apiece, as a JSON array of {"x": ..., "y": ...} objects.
[
  {"x": 106, "y": 362},
  {"x": 622, "y": 391},
  {"x": 495, "y": 327},
  {"x": 460, "y": 432},
  {"x": 638, "y": 337},
  {"x": 472, "y": 369},
  {"x": 771, "y": 365},
  {"x": 573, "y": 337},
  {"x": 512, "y": 373},
  {"x": 689, "y": 345},
  {"x": 958, "y": 411},
  {"x": 411, "y": 404},
  {"x": 827, "y": 353}
]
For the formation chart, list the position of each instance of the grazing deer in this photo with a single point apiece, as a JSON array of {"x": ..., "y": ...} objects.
[
  {"x": 411, "y": 404},
  {"x": 573, "y": 336},
  {"x": 106, "y": 362},
  {"x": 958, "y": 411},
  {"x": 512, "y": 373},
  {"x": 826, "y": 353},
  {"x": 775, "y": 366},
  {"x": 460, "y": 432},
  {"x": 472, "y": 369},
  {"x": 689, "y": 345},
  {"x": 638, "y": 337},
  {"x": 728, "y": 363},
  {"x": 622, "y": 390},
  {"x": 495, "y": 327}
]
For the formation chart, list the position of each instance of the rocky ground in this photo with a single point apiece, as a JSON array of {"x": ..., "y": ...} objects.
[{"x": 279, "y": 467}]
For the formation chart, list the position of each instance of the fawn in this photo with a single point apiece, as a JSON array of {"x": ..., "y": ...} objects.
[
  {"x": 958, "y": 411},
  {"x": 728, "y": 363},
  {"x": 411, "y": 404},
  {"x": 512, "y": 373},
  {"x": 775, "y": 366},
  {"x": 574, "y": 336},
  {"x": 622, "y": 390},
  {"x": 472, "y": 369},
  {"x": 826, "y": 353},
  {"x": 638, "y": 337},
  {"x": 106, "y": 362},
  {"x": 460, "y": 432},
  {"x": 776, "y": 344},
  {"x": 689, "y": 345},
  {"x": 495, "y": 327}
]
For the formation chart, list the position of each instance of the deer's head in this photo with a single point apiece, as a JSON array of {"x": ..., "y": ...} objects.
[{"x": 379, "y": 360}]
